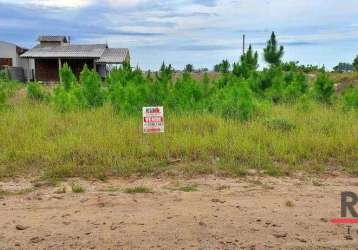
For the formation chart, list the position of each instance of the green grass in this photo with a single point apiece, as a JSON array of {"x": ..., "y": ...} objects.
[
  {"x": 77, "y": 188},
  {"x": 139, "y": 189},
  {"x": 35, "y": 139}
]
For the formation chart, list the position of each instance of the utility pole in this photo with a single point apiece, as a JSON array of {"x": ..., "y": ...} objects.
[{"x": 243, "y": 44}]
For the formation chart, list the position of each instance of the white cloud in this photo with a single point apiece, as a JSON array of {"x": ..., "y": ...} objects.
[
  {"x": 51, "y": 3},
  {"x": 73, "y": 3},
  {"x": 180, "y": 24},
  {"x": 123, "y": 3}
]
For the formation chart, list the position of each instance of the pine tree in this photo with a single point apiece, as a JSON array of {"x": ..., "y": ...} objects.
[
  {"x": 248, "y": 64},
  {"x": 273, "y": 53},
  {"x": 224, "y": 67},
  {"x": 68, "y": 79},
  {"x": 189, "y": 68},
  {"x": 92, "y": 89},
  {"x": 324, "y": 88}
]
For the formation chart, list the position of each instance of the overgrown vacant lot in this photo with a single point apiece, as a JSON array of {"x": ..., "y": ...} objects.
[
  {"x": 38, "y": 140},
  {"x": 284, "y": 118}
]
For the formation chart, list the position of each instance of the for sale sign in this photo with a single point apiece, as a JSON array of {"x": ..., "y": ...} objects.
[{"x": 153, "y": 120}]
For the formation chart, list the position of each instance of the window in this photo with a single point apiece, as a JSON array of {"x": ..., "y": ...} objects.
[{"x": 5, "y": 62}]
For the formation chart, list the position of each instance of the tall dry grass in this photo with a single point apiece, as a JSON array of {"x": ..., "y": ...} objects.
[{"x": 38, "y": 140}]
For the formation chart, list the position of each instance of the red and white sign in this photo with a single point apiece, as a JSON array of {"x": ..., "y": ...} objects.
[{"x": 153, "y": 120}]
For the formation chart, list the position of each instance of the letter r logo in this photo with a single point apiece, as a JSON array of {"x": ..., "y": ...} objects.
[{"x": 348, "y": 201}]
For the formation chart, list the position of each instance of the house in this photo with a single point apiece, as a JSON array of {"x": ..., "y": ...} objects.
[
  {"x": 54, "y": 51},
  {"x": 10, "y": 57}
]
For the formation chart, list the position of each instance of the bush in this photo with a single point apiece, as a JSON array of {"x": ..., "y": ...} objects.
[
  {"x": 7, "y": 89},
  {"x": 68, "y": 79},
  {"x": 64, "y": 100},
  {"x": 237, "y": 101},
  {"x": 129, "y": 99},
  {"x": 275, "y": 81},
  {"x": 186, "y": 94},
  {"x": 350, "y": 98},
  {"x": 35, "y": 92},
  {"x": 3, "y": 75},
  {"x": 247, "y": 65},
  {"x": 296, "y": 86},
  {"x": 264, "y": 80},
  {"x": 2, "y": 97},
  {"x": 69, "y": 95},
  {"x": 129, "y": 91},
  {"x": 77, "y": 188},
  {"x": 92, "y": 88},
  {"x": 323, "y": 88}
]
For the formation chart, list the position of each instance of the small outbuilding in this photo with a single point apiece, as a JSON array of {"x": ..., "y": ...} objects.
[
  {"x": 10, "y": 58},
  {"x": 53, "y": 52}
]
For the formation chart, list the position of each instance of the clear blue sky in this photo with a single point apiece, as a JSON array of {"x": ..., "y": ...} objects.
[{"x": 201, "y": 32}]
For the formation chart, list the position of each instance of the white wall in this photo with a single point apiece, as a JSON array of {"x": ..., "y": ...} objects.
[{"x": 8, "y": 50}]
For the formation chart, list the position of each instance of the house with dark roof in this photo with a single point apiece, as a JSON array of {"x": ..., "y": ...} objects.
[{"x": 53, "y": 52}]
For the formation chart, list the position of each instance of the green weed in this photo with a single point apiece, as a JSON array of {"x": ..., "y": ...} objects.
[
  {"x": 35, "y": 92},
  {"x": 139, "y": 189},
  {"x": 77, "y": 188}
]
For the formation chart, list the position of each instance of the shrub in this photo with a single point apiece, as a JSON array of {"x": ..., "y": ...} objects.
[
  {"x": 2, "y": 97},
  {"x": 266, "y": 79},
  {"x": 323, "y": 88},
  {"x": 296, "y": 86},
  {"x": 35, "y": 92},
  {"x": 68, "y": 79},
  {"x": 64, "y": 100},
  {"x": 185, "y": 94},
  {"x": 69, "y": 95},
  {"x": 121, "y": 75},
  {"x": 276, "y": 84},
  {"x": 129, "y": 99},
  {"x": 223, "y": 67},
  {"x": 350, "y": 98},
  {"x": 247, "y": 65},
  {"x": 92, "y": 88},
  {"x": 3, "y": 75},
  {"x": 9, "y": 87},
  {"x": 237, "y": 101},
  {"x": 246, "y": 103},
  {"x": 77, "y": 188}
]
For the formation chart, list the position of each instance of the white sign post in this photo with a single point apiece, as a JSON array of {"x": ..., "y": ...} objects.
[{"x": 153, "y": 120}]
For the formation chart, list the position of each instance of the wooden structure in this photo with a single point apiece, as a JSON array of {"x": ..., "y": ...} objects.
[{"x": 53, "y": 52}]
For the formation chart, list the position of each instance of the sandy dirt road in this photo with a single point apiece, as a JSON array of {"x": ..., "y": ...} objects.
[{"x": 218, "y": 213}]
